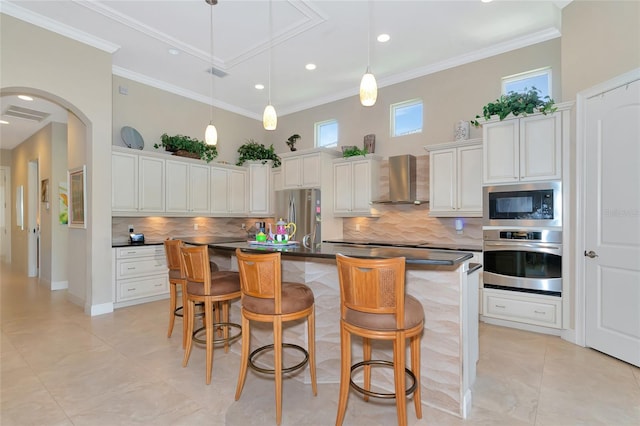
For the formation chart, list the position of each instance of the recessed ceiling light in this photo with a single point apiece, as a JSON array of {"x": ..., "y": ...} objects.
[
  {"x": 486, "y": 1},
  {"x": 174, "y": 51},
  {"x": 25, "y": 97},
  {"x": 310, "y": 67},
  {"x": 383, "y": 38},
  {"x": 259, "y": 86},
  {"x": 4, "y": 122}
]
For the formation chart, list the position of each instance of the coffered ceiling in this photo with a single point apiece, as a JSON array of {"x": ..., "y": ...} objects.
[{"x": 426, "y": 36}]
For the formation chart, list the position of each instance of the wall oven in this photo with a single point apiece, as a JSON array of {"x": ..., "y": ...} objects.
[
  {"x": 523, "y": 260},
  {"x": 527, "y": 204}
]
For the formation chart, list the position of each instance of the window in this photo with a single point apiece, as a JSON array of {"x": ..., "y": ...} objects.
[
  {"x": 406, "y": 118},
  {"x": 540, "y": 79},
  {"x": 327, "y": 133}
]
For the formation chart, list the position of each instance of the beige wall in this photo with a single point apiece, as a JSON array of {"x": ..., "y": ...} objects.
[
  {"x": 448, "y": 96},
  {"x": 78, "y": 77},
  {"x": 5, "y": 157},
  {"x": 173, "y": 114}
]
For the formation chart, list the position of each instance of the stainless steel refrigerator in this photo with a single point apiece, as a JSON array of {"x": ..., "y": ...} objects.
[{"x": 302, "y": 207}]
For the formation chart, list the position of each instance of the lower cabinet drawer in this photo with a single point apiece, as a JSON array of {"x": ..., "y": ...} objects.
[
  {"x": 523, "y": 307},
  {"x": 142, "y": 287},
  {"x": 140, "y": 267}
]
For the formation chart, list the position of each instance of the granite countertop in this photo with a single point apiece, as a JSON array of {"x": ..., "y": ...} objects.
[
  {"x": 200, "y": 240},
  {"x": 417, "y": 244},
  {"x": 329, "y": 250}
]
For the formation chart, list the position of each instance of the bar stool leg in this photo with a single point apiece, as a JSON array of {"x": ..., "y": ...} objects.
[
  {"x": 399, "y": 356},
  {"x": 172, "y": 307},
  {"x": 189, "y": 311},
  {"x": 366, "y": 355},
  {"x": 277, "y": 361},
  {"x": 244, "y": 356},
  {"x": 185, "y": 320},
  {"x": 345, "y": 373},
  {"x": 415, "y": 367},
  {"x": 311, "y": 325},
  {"x": 208, "y": 319}
]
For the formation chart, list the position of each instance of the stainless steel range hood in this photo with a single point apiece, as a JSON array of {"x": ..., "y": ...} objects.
[{"x": 402, "y": 181}]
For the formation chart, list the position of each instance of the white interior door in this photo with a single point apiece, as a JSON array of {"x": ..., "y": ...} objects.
[
  {"x": 5, "y": 214},
  {"x": 612, "y": 222}
]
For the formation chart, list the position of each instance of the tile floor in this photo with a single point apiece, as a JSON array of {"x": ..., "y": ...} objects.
[{"x": 61, "y": 367}]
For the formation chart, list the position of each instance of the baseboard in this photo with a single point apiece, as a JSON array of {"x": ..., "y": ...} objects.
[
  {"x": 59, "y": 285},
  {"x": 101, "y": 309},
  {"x": 467, "y": 403}
]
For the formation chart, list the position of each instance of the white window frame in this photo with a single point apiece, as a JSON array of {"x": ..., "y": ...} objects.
[
  {"x": 527, "y": 75},
  {"x": 317, "y": 129},
  {"x": 392, "y": 111}
]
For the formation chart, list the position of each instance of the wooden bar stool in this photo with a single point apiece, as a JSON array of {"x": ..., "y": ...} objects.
[
  {"x": 373, "y": 305},
  {"x": 176, "y": 278},
  {"x": 266, "y": 298},
  {"x": 209, "y": 288}
]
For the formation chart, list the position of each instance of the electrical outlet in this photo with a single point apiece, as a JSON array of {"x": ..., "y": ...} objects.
[
  {"x": 195, "y": 226},
  {"x": 357, "y": 227},
  {"x": 243, "y": 226},
  {"x": 130, "y": 229}
]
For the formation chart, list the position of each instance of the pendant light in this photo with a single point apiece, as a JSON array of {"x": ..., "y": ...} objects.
[
  {"x": 270, "y": 118},
  {"x": 368, "y": 85},
  {"x": 211, "y": 133}
]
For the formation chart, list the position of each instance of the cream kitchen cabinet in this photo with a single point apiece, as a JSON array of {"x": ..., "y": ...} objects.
[
  {"x": 228, "y": 191},
  {"x": 304, "y": 169},
  {"x": 355, "y": 183},
  {"x": 137, "y": 184},
  {"x": 187, "y": 188},
  {"x": 525, "y": 149},
  {"x": 140, "y": 275},
  {"x": 455, "y": 179},
  {"x": 260, "y": 192},
  {"x": 535, "y": 309}
]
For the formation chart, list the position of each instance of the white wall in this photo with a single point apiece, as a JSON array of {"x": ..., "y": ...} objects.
[{"x": 78, "y": 77}]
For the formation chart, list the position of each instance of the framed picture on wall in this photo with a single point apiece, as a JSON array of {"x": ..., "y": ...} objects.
[
  {"x": 77, "y": 197},
  {"x": 44, "y": 191}
]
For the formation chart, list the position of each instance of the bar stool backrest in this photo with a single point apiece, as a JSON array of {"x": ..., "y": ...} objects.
[
  {"x": 373, "y": 286},
  {"x": 172, "y": 251},
  {"x": 196, "y": 266},
  {"x": 261, "y": 276}
]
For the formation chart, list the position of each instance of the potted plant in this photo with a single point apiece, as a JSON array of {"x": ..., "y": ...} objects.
[
  {"x": 523, "y": 103},
  {"x": 254, "y": 151},
  {"x": 187, "y": 146},
  {"x": 291, "y": 142},
  {"x": 352, "y": 151}
]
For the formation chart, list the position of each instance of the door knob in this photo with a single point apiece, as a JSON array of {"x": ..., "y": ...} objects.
[{"x": 590, "y": 254}]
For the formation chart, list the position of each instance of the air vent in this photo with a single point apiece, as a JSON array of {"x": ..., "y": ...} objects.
[
  {"x": 217, "y": 72},
  {"x": 25, "y": 113}
]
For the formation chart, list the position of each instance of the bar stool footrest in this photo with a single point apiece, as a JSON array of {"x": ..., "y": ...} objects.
[
  {"x": 216, "y": 327},
  {"x": 284, "y": 369},
  {"x": 363, "y": 391}
]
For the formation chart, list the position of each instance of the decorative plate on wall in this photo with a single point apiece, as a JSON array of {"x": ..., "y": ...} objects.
[{"x": 132, "y": 138}]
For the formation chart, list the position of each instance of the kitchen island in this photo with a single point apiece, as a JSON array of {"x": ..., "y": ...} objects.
[{"x": 439, "y": 279}]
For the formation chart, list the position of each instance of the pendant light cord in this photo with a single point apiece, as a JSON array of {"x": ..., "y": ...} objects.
[
  {"x": 369, "y": 38},
  {"x": 212, "y": 67},
  {"x": 270, "y": 48}
]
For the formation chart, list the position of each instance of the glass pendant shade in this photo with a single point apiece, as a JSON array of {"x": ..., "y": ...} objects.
[
  {"x": 211, "y": 135},
  {"x": 269, "y": 118},
  {"x": 368, "y": 89}
]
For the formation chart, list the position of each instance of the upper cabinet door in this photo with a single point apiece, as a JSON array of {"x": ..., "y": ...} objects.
[
  {"x": 442, "y": 180},
  {"x": 260, "y": 189},
  {"x": 311, "y": 171},
  {"x": 501, "y": 151},
  {"x": 343, "y": 187},
  {"x": 199, "y": 188},
  {"x": 291, "y": 172},
  {"x": 151, "y": 184},
  {"x": 124, "y": 182},
  {"x": 469, "y": 174},
  {"x": 177, "y": 183},
  {"x": 238, "y": 192},
  {"x": 219, "y": 189},
  {"x": 540, "y": 147}
]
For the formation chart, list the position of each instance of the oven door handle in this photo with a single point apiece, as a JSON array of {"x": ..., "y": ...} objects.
[{"x": 496, "y": 246}]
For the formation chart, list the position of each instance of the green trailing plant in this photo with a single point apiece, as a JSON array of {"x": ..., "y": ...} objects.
[
  {"x": 291, "y": 142},
  {"x": 354, "y": 151},
  {"x": 523, "y": 103},
  {"x": 254, "y": 151},
  {"x": 198, "y": 148}
]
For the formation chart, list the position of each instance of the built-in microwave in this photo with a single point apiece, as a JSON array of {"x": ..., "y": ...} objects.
[{"x": 526, "y": 204}]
